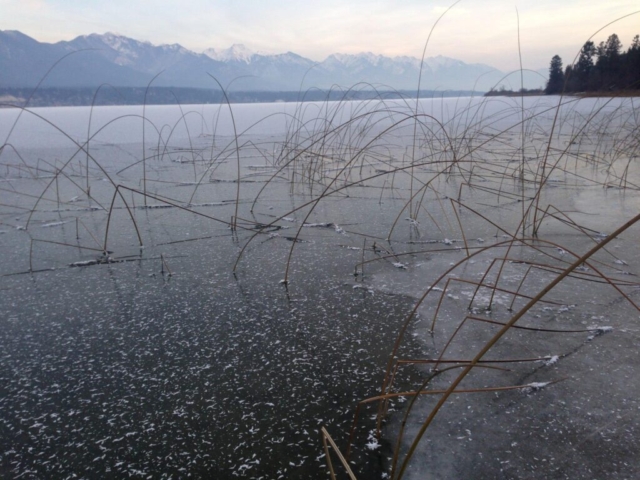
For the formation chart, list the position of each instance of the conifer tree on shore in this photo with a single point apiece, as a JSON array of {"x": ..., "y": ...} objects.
[{"x": 556, "y": 76}]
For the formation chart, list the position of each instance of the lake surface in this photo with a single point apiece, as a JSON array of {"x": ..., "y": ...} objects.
[{"x": 199, "y": 297}]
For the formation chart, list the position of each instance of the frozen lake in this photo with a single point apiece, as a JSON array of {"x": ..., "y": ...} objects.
[{"x": 190, "y": 292}]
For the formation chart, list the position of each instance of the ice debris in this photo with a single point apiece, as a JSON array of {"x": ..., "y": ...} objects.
[
  {"x": 372, "y": 441},
  {"x": 317, "y": 225},
  {"x": 598, "y": 330},
  {"x": 52, "y": 224},
  {"x": 534, "y": 387}
]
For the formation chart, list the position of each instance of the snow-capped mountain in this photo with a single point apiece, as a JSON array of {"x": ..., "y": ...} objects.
[
  {"x": 179, "y": 66},
  {"x": 95, "y": 59},
  {"x": 237, "y": 52},
  {"x": 127, "y": 51}
]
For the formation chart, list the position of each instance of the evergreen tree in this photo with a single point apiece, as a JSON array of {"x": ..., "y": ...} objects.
[
  {"x": 570, "y": 79},
  {"x": 584, "y": 67},
  {"x": 556, "y": 76},
  {"x": 632, "y": 64},
  {"x": 613, "y": 46},
  {"x": 609, "y": 63}
]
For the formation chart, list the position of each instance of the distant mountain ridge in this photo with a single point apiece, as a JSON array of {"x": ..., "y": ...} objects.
[{"x": 96, "y": 59}]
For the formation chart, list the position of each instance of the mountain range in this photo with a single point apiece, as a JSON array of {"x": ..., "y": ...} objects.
[{"x": 92, "y": 60}]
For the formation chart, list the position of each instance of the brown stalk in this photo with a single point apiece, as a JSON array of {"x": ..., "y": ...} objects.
[
  {"x": 326, "y": 437},
  {"x": 502, "y": 331}
]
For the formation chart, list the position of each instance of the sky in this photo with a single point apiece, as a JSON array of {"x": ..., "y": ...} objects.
[{"x": 474, "y": 31}]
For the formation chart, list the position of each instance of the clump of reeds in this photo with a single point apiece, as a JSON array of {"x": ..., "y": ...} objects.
[{"x": 493, "y": 151}]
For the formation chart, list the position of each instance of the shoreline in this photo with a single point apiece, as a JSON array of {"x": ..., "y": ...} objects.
[{"x": 622, "y": 94}]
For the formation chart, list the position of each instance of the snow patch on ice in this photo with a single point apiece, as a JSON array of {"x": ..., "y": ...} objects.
[{"x": 534, "y": 387}]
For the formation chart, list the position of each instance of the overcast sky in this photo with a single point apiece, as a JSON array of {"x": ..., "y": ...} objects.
[{"x": 482, "y": 31}]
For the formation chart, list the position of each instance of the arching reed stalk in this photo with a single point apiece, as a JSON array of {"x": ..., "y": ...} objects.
[
  {"x": 87, "y": 144},
  {"x": 237, "y": 151},
  {"x": 144, "y": 123},
  {"x": 579, "y": 261}
]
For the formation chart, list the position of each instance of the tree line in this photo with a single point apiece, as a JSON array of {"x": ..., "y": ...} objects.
[
  {"x": 602, "y": 68},
  {"x": 78, "y": 96}
]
